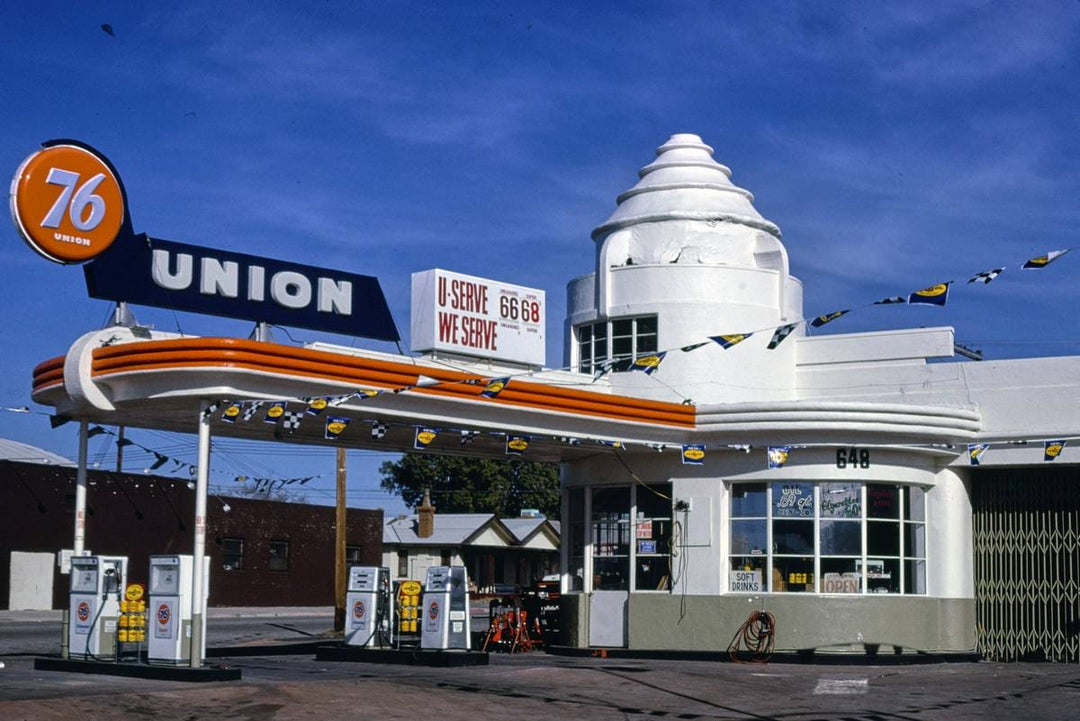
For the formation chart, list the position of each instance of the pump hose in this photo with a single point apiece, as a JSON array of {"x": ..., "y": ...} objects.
[{"x": 755, "y": 637}]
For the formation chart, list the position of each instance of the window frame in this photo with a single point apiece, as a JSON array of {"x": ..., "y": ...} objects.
[
  {"x": 227, "y": 554},
  {"x": 905, "y": 518},
  {"x": 278, "y": 562},
  {"x": 596, "y": 341}
]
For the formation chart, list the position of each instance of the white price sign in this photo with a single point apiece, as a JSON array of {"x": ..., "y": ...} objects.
[{"x": 479, "y": 317}]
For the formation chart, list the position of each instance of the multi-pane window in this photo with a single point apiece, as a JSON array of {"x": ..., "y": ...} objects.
[
  {"x": 279, "y": 555},
  {"x": 652, "y": 538},
  {"x": 618, "y": 341},
  {"x": 232, "y": 554},
  {"x": 611, "y": 538},
  {"x": 837, "y": 538},
  {"x": 576, "y": 539}
]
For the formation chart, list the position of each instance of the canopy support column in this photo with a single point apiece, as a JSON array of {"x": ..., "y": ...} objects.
[{"x": 202, "y": 481}]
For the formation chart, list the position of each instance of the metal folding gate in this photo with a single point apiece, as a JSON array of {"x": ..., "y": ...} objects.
[{"x": 1027, "y": 563}]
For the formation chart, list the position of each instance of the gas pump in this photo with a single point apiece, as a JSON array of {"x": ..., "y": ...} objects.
[
  {"x": 369, "y": 606},
  {"x": 171, "y": 609},
  {"x": 97, "y": 585},
  {"x": 446, "y": 609}
]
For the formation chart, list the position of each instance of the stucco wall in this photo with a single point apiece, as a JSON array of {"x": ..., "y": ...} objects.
[{"x": 708, "y": 623}]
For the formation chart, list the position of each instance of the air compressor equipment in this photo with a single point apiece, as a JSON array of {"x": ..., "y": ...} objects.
[
  {"x": 446, "y": 609},
  {"x": 97, "y": 586},
  {"x": 171, "y": 609},
  {"x": 369, "y": 607}
]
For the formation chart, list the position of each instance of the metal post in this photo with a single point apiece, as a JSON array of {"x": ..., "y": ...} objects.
[
  {"x": 79, "y": 543},
  {"x": 202, "y": 480},
  {"x": 339, "y": 545}
]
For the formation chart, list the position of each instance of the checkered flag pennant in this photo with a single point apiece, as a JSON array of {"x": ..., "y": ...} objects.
[
  {"x": 781, "y": 333},
  {"x": 891, "y": 300},
  {"x": 250, "y": 409},
  {"x": 467, "y": 437},
  {"x": 570, "y": 440},
  {"x": 986, "y": 276},
  {"x": 211, "y": 409},
  {"x": 290, "y": 420},
  {"x": 379, "y": 429}
]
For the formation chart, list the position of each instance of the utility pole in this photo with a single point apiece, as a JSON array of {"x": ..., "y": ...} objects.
[{"x": 339, "y": 545}]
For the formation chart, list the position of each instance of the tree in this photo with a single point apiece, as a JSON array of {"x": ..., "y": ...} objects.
[{"x": 473, "y": 485}]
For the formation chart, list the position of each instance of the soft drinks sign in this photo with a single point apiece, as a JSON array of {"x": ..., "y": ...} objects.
[{"x": 473, "y": 316}]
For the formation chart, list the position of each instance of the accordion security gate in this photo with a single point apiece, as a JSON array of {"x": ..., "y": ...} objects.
[{"x": 1027, "y": 563}]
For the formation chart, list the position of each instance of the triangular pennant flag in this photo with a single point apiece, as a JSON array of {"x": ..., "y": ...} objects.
[
  {"x": 243, "y": 479},
  {"x": 315, "y": 406},
  {"x": 726, "y": 341},
  {"x": 778, "y": 456},
  {"x": 231, "y": 413},
  {"x": 274, "y": 412},
  {"x": 494, "y": 387},
  {"x": 744, "y": 447},
  {"x": 1052, "y": 449},
  {"x": 781, "y": 334},
  {"x": 570, "y": 440},
  {"x": 516, "y": 445},
  {"x": 379, "y": 429},
  {"x": 424, "y": 438},
  {"x": 986, "y": 276},
  {"x": 890, "y": 300},
  {"x": 975, "y": 452},
  {"x": 602, "y": 369},
  {"x": 934, "y": 295},
  {"x": 828, "y": 318},
  {"x": 648, "y": 363},
  {"x": 210, "y": 409},
  {"x": 1044, "y": 260},
  {"x": 467, "y": 437},
  {"x": 693, "y": 454},
  {"x": 694, "y": 346},
  {"x": 161, "y": 460},
  {"x": 611, "y": 444},
  {"x": 250, "y": 409},
  {"x": 95, "y": 431},
  {"x": 335, "y": 401},
  {"x": 303, "y": 481},
  {"x": 365, "y": 393},
  {"x": 124, "y": 442},
  {"x": 335, "y": 426},
  {"x": 658, "y": 447},
  {"x": 57, "y": 421}
]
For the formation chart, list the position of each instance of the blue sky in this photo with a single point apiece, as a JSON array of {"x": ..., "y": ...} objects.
[{"x": 896, "y": 145}]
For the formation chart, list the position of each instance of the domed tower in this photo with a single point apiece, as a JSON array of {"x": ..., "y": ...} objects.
[{"x": 685, "y": 256}]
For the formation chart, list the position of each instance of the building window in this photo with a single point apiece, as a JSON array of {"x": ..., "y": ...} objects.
[
  {"x": 445, "y": 557},
  {"x": 279, "y": 556},
  {"x": 652, "y": 538},
  {"x": 575, "y": 540},
  {"x": 353, "y": 555},
  {"x": 835, "y": 538},
  {"x": 232, "y": 554},
  {"x": 403, "y": 563},
  {"x": 611, "y": 538},
  {"x": 619, "y": 340}
]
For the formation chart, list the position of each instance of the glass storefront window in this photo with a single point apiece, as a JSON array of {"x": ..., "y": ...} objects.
[
  {"x": 834, "y": 538},
  {"x": 652, "y": 537}
]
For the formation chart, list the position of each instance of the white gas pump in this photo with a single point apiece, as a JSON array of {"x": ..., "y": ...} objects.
[
  {"x": 97, "y": 586},
  {"x": 446, "y": 609},
  {"x": 369, "y": 606},
  {"x": 169, "y": 605}
]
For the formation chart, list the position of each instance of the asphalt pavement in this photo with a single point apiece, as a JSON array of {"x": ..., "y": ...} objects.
[{"x": 536, "y": 685}]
